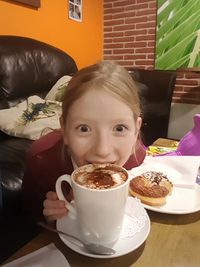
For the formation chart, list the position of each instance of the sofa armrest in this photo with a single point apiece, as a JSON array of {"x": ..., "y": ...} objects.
[{"x": 29, "y": 67}]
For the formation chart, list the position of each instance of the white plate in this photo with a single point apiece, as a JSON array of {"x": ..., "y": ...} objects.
[
  {"x": 125, "y": 244},
  {"x": 185, "y": 197}
]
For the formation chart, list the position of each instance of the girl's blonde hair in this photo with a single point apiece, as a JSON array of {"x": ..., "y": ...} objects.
[{"x": 107, "y": 76}]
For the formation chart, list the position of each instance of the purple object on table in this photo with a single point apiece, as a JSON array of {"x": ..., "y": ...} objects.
[{"x": 189, "y": 144}]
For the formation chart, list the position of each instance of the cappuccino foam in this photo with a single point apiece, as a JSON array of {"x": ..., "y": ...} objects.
[{"x": 100, "y": 176}]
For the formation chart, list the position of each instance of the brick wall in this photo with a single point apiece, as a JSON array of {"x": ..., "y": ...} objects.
[{"x": 129, "y": 38}]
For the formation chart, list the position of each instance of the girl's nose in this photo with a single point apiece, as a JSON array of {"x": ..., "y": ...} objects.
[{"x": 102, "y": 146}]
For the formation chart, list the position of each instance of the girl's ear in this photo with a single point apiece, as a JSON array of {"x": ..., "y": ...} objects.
[
  {"x": 62, "y": 126},
  {"x": 138, "y": 125}
]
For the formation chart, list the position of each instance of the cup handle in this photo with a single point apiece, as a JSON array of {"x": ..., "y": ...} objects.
[{"x": 60, "y": 194}]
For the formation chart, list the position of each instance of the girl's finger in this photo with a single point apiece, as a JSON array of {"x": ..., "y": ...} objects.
[
  {"x": 54, "y": 212},
  {"x": 51, "y": 195},
  {"x": 57, "y": 204}
]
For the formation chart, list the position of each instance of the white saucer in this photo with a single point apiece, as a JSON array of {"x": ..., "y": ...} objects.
[{"x": 136, "y": 228}]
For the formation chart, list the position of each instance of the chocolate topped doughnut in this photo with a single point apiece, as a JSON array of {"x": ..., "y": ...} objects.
[{"x": 151, "y": 188}]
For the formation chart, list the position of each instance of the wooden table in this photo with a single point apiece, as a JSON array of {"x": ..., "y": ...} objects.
[{"x": 174, "y": 241}]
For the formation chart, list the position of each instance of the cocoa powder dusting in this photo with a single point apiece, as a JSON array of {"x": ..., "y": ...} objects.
[{"x": 101, "y": 179}]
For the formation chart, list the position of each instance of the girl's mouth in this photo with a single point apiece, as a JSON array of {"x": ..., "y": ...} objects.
[{"x": 104, "y": 162}]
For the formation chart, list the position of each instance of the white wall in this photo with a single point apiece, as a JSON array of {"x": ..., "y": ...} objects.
[{"x": 181, "y": 119}]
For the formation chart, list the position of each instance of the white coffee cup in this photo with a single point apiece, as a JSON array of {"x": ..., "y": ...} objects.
[{"x": 99, "y": 211}]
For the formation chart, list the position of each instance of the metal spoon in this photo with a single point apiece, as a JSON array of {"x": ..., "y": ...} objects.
[{"x": 90, "y": 247}]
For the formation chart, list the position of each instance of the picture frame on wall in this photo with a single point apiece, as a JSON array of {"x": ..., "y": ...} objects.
[
  {"x": 31, "y": 3},
  {"x": 75, "y": 10}
]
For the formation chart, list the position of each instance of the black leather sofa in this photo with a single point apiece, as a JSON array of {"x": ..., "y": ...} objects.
[{"x": 27, "y": 67}]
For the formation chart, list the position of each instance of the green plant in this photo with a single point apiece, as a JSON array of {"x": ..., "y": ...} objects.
[{"x": 178, "y": 34}]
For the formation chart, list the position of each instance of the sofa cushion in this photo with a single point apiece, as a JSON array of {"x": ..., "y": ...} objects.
[
  {"x": 57, "y": 91},
  {"x": 31, "y": 118}
]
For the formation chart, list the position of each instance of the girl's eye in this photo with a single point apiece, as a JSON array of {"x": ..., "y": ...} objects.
[
  {"x": 120, "y": 128},
  {"x": 83, "y": 128}
]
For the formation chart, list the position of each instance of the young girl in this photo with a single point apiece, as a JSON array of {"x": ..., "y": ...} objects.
[{"x": 100, "y": 123}]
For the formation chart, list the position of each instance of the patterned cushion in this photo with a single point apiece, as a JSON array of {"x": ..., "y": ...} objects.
[{"x": 31, "y": 118}]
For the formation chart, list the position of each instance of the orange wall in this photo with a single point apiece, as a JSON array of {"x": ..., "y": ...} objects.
[{"x": 50, "y": 23}]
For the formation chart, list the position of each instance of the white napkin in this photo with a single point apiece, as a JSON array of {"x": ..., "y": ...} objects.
[
  {"x": 181, "y": 170},
  {"x": 48, "y": 256}
]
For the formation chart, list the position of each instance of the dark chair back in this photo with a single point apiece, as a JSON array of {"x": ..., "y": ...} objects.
[{"x": 156, "y": 90}]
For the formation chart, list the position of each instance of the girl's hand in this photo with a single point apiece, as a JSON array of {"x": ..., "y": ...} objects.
[{"x": 53, "y": 207}]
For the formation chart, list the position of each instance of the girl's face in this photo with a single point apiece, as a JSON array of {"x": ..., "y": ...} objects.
[{"x": 100, "y": 129}]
